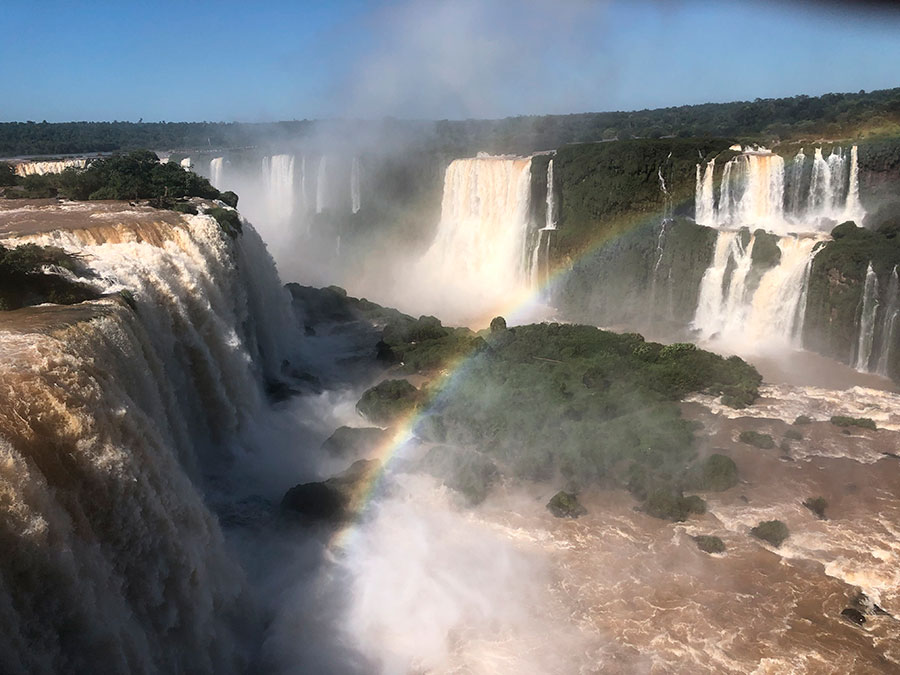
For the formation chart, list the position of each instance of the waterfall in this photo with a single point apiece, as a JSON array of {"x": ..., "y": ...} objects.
[
  {"x": 110, "y": 554},
  {"x": 42, "y": 168},
  {"x": 752, "y": 191},
  {"x": 889, "y": 325},
  {"x": 186, "y": 163},
  {"x": 550, "y": 222},
  {"x": 354, "y": 186},
  {"x": 868, "y": 312},
  {"x": 742, "y": 307},
  {"x": 216, "y": 166},
  {"x": 304, "y": 189},
  {"x": 478, "y": 260},
  {"x": 278, "y": 177},
  {"x": 322, "y": 185},
  {"x": 853, "y": 208},
  {"x": 704, "y": 205}
]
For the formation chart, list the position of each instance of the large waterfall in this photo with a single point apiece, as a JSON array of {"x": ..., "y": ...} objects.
[
  {"x": 758, "y": 189},
  {"x": 110, "y": 555},
  {"x": 748, "y": 299},
  {"x": 479, "y": 261},
  {"x": 278, "y": 177},
  {"x": 42, "y": 168}
]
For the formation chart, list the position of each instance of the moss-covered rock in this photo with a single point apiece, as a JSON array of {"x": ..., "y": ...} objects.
[
  {"x": 336, "y": 499},
  {"x": 709, "y": 544},
  {"x": 228, "y": 220},
  {"x": 772, "y": 531},
  {"x": 802, "y": 420},
  {"x": 669, "y": 505},
  {"x": 817, "y": 505},
  {"x": 388, "y": 401},
  {"x": 757, "y": 439},
  {"x": 793, "y": 435},
  {"x": 565, "y": 505}
]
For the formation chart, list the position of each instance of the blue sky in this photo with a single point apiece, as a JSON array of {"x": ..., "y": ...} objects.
[{"x": 263, "y": 61}]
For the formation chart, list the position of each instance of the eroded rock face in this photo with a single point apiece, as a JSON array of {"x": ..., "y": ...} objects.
[
  {"x": 337, "y": 499},
  {"x": 565, "y": 505}
]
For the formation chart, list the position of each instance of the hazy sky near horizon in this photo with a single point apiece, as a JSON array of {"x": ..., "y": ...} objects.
[{"x": 264, "y": 61}]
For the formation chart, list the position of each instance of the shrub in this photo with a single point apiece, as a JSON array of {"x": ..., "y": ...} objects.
[
  {"x": 793, "y": 435},
  {"x": 803, "y": 419},
  {"x": 663, "y": 503},
  {"x": 716, "y": 473},
  {"x": 756, "y": 439},
  {"x": 863, "y": 422},
  {"x": 709, "y": 544},
  {"x": 388, "y": 401},
  {"x": 772, "y": 531},
  {"x": 565, "y": 505}
]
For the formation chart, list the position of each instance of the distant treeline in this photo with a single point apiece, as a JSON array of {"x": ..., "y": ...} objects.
[{"x": 831, "y": 116}]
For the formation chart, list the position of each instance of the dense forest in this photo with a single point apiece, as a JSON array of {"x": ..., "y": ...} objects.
[{"x": 831, "y": 116}]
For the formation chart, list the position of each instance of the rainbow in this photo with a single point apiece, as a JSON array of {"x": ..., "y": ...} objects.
[{"x": 523, "y": 304}]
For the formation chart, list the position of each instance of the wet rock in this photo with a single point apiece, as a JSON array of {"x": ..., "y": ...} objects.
[
  {"x": 709, "y": 544},
  {"x": 466, "y": 471},
  {"x": 565, "y": 505},
  {"x": 863, "y": 603},
  {"x": 337, "y": 499},
  {"x": 817, "y": 505},
  {"x": 853, "y": 616}
]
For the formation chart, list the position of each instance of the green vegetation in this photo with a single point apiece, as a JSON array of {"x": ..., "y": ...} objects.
[
  {"x": 26, "y": 277},
  {"x": 772, "y": 531},
  {"x": 863, "y": 422},
  {"x": 817, "y": 505},
  {"x": 593, "y": 405},
  {"x": 7, "y": 174},
  {"x": 466, "y": 471},
  {"x": 228, "y": 220},
  {"x": 793, "y": 435},
  {"x": 565, "y": 505},
  {"x": 709, "y": 544},
  {"x": 668, "y": 505},
  {"x": 837, "y": 115},
  {"x": 837, "y": 281},
  {"x": 716, "y": 473},
  {"x": 803, "y": 419},
  {"x": 756, "y": 439},
  {"x": 388, "y": 401}
]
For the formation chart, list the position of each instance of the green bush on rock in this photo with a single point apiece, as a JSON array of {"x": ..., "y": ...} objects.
[
  {"x": 817, "y": 505},
  {"x": 715, "y": 473},
  {"x": 773, "y": 531},
  {"x": 389, "y": 401},
  {"x": 709, "y": 544},
  {"x": 756, "y": 439},
  {"x": 565, "y": 505},
  {"x": 862, "y": 422}
]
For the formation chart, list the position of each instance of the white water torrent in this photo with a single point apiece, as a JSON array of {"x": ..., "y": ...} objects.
[
  {"x": 216, "y": 169},
  {"x": 735, "y": 306},
  {"x": 550, "y": 223},
  {"x": 42, "y": 168},
  {"x": 752, "y": 192},
  {"x": 478, "y": 261},
  {"x": 354, "y": 186},
  {"x": 889, "y": 325},
  {"x": 278, "y": 176},
  {"x": 868, "y": 312},
  {"x": 110, "y": 554}
]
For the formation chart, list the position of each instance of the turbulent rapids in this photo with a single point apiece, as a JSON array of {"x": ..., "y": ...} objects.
[{"x": 107, "y": 415}]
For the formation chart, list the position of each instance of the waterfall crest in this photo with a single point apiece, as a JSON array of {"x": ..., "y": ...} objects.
[
  {"x": 111, "y": 411},
  {"x": 479, "y": 261}
]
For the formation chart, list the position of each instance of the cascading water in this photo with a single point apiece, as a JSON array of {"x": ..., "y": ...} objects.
[
  {"x": 752, "y": 191},
  {"x": 278, "y": 176},
  {"x": 540, "y": 253},
  {"x": 42, "y": 168},
  {"x": 216, "y": 169},
  {"x": 889, "y": 325},
  {"x": 478, "y": 260},
  {"x": 868, "y": 312},
  {"x": 110, "y": 413},
  {"x": 741, "y": 307}
]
